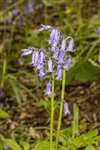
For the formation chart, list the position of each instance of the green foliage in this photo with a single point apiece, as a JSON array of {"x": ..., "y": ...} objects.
[
  {"x": 42, "y": 145},
  {"x": 83, "y": 70},
  {"x": 3, "y": 114},
  {"x": 13, "y": 145},
  {"x": 75, "y": 123},
  {"x": 90, "y": 147}
]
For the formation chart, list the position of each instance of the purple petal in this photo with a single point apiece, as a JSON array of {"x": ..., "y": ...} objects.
[
  {"x": 61, "y": 57},
  {"x": 39, "y": 66},
  {"x": 35, "y": 58},
  {"x": 56, "y": 54},
  {"x": 41, "y": 73},
  {"x": 41, "y": 57},
  {"x": 45, "y": 27},
  {"x": 66, "y": 109},
  {"x": 54, "y": 38},
  {"x": 5, "y": 147},
  {"x": 53, "y": 49},
  {"x": 48, "y": 90},
  {"x": 67, "y": 64},
  {"x": 71, "y": 45},
  {"x": 59, "y": 72},
  {"x": 27, "y": 51},
  {"x": 63, "y": 45},
  {"x": 98, "y": 31},
  {"x": 50, "y": 66}
]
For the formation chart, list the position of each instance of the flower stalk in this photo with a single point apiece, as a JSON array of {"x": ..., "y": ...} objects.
[
  {"x": 52, "y": 114},
  {"x": 61, "y": 108}
]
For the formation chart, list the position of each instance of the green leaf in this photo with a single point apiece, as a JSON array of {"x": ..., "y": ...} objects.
[
  {"x": 43, "y": 145},
  {"x": 25, "y": 145},
  {"x": 16, "y": 90},
  {"x": 43, "y": 103},
  {"x": 11, "y": 143},
  {"x": 90, "y": 147},
  {"x": 3, "y": 114},
  {"x": 84, "y": 139},
  {"x": 83, "y": 71}
]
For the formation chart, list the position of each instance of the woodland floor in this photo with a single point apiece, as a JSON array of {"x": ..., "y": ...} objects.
[{"x": 28, "y": 116}]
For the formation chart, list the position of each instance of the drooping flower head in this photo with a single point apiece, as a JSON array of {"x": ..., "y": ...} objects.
[
  {"x": 98, "y": 31},
  {"x": 66, "y": 109},
  {"x": 71, "y": 45},
  {"x": 48, "y": 90},
  {"x": 54, "y": 38},
  {"x": 63, "y": 45},
  {"x": 50, "y": 66},
  {"x": 61, "y": 57},
  {"x": 67, "y": 64},
  {"x": 59, "y": 72},
  {"x": 41, "y": 72},
  {"x": 55, "y": 61},
  {"x": 35, "y": 58},
  {"x": 41, "y": 56}
]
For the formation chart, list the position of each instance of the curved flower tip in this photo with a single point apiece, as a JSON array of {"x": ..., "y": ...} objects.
[
  {"x": 27, "y": 51},
  {"x": 45, "y": 27},
  {"x": 48, "y": 90},
  {"x": 50, "y": 66},
  {"x": 67, "y": 64},
  {"x": 71, "y": 45},
  {"x": 66, "y": 109}
]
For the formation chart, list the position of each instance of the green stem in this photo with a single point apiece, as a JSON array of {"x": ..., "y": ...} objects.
[
  {"x": 52, "y": 115},
  {"x": 61, "y": 108},
  {"x": 4, "y": 71}
]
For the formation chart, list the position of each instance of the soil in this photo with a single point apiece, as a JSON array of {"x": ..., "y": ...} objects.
[{"x": 28, "y": 117}]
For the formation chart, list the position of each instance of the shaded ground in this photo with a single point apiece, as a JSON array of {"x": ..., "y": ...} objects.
[{"x": 28, "y": 117}]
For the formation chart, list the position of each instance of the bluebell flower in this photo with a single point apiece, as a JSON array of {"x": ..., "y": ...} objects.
[
  {"x": 56, "y": 54},
  {"x": 53, "y": 49},
  {"x": 41, "y": 73},
  {"x": 67, "y": 64},
  {"x": 98, "y": 31},
  {"x": 59, "y": 72},
  {"x": 48, "y": 90},
  {"x": 66, "y": 109},
  {"x": 54, "y": 38},
  {"x": 39, "y": 65},
  {"x": 45, "y": 27},
  {"x": 29, "y": 7},
  {"x": 50, "y": 66},
  {"x": 41, "y": 56},
  {"x": 61, "y": 57},
  {"x": 5, "y": 147},
  {"x": 63, "y": 45},
  {"x": 71, "y": 45},
  {"x": 27, "y": 51},
  {"x": 35, "y": 58}
]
